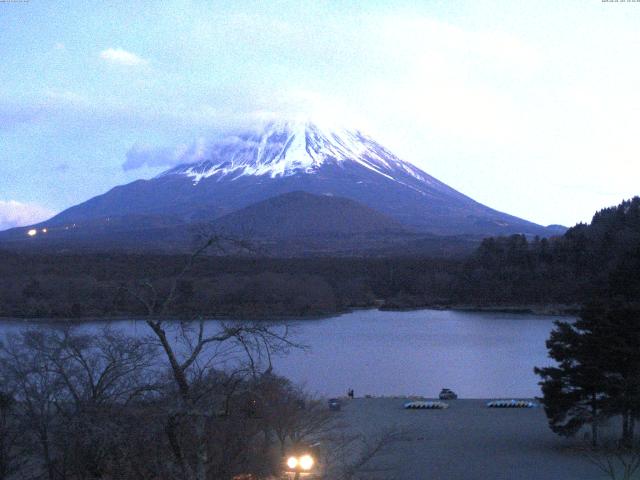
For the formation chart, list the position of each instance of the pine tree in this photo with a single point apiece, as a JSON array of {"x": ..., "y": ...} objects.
[
  {"x": 598, "y": 371},
  {"x": 573, "y": 392},
  {"x": 618, "y": 329}
]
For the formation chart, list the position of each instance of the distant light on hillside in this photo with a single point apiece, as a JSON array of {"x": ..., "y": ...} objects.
[{"x": 32, "y": 232}]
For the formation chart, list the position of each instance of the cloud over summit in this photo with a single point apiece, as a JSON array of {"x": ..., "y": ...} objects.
[{"x": 140, "y": 156}]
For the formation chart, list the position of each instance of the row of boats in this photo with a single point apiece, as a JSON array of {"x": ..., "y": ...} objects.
[{"x": 436, "y": 405}]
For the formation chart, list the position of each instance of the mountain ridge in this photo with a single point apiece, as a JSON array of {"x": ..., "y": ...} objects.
[{"x": 248, "y": 167}]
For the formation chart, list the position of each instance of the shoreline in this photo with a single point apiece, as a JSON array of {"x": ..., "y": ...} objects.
[
  {"x": 346, "y": 399},
  {"x": 536, "y": 310}
]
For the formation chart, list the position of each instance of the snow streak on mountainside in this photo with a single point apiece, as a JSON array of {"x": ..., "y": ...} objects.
[{"x": 287, "y": 148}]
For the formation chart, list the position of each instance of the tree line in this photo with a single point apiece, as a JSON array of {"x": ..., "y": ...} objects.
[
  {"x": 97, "y": 285},
  {"x": 587, "y": 261}
]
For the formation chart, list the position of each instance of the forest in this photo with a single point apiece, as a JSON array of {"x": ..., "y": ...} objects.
[
  {"x": 96, "y": 285},
  {"x": 504, "y": 272},
  {"x": 588, "y": 260}
]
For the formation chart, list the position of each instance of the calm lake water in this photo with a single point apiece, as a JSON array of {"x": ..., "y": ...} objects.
[{"x": 478, "y": 355}]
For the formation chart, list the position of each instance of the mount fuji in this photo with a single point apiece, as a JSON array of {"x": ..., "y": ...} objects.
[{"x": 251, "y": 166}]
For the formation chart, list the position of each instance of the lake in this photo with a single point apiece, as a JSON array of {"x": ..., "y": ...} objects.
[{"x": 476, "y": 354}]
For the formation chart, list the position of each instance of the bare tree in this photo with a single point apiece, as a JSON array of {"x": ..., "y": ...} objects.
[
  {"x": 72, "y": 389},
  {"x": 26, "y": 373},
  {"x": 101, "y": 375},
  {"x": 12, "y": 456},
  {"x": 193, "y": 350},
  {"x": 292, "y": 415}
]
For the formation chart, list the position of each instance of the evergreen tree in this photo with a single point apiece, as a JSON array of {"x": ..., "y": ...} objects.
[
  {"x": 573, "y": 392},
  {"x": 598, "y": 371},
  {"x": 617, "y": 329}
]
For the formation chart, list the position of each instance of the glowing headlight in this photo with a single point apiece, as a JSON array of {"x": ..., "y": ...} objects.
[
  {"x": 306, "y": 462},
  {"x": 292, "y": 462}
]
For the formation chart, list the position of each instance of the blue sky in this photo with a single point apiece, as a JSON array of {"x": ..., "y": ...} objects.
[{"x": 529, "y": 107}]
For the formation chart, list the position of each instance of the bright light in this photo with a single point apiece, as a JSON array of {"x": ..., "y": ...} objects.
[
  {"x": 292, "y": 462},
  {"x": 32, "y": 232},
  {"x": 306, "y": 462},
  {"x": 44, "y": 230}
]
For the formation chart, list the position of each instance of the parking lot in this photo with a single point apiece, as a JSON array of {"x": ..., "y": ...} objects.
[{"x": 468, "y": 441}]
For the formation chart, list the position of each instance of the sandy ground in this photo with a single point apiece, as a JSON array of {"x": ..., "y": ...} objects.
[{"x": 469, "y": 441}]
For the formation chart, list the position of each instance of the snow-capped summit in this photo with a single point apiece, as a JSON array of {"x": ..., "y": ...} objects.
[{"x": 286, "y": 148}]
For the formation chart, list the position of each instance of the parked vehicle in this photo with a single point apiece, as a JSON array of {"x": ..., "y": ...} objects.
[
  {"x": 446, "y": 394},
  {"x": 334, "y": 404},
  {"x": 303, "y": 462}
]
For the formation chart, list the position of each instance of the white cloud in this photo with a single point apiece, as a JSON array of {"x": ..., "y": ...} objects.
[
  {"x": 122, "y": 57},
  {"x": 140, "y": 156},
  {"x": 18, "y": 214}
]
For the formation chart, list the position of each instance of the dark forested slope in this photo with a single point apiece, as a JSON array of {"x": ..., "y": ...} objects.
[{"x": 602, "y": 257}]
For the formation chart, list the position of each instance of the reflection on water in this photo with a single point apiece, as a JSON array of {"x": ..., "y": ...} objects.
[{"x": 478, "y": 355}]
